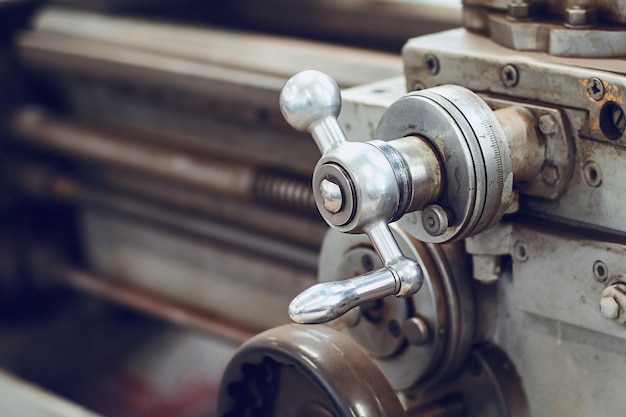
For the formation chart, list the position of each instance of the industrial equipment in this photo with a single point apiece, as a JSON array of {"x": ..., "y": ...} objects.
[
  {"x": 173, "y": 159},
  {"x": 487, "y": 201}
]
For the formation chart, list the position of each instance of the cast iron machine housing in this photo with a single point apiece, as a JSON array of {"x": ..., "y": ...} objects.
[{"x": 501, "y": 158}]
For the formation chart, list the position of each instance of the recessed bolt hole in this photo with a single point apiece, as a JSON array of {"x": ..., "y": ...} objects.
[
  {"x": 612, "y": 120},
  {"x": 600, "y": 271},
  {"x": 432, "y": 63},
  {"x": 520, "y": 252},
  {"x": 367, "y": 263},
  {"x": 592, "y": 174},
  {"x": 394, "y": 328}
]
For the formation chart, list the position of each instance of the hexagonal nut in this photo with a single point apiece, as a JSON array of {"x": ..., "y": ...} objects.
[
  {"x": 550, "y": 174},
  {"x": 609, "y": 307},
  {"x": 548, "y": 124},
  {"x": 519, "y": 10},
  {"x": 613, "y": 302},
  {"x": 580, "y": 16}
]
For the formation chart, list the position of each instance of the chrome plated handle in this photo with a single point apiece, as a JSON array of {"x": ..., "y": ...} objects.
[{"x": 358, "y": 188}]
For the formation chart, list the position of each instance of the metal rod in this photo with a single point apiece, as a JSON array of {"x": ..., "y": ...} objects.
[
  {"x": 35, "y": 127},
  {"x": 39, "y": 182},
  {"x": 235, "y": 180},
  {"x": 285, "y": 225},
  {"x": 151, "y": 304},
  {"x": 255, "y": 52}
]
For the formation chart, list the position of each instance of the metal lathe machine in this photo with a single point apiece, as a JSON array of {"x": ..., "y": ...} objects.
[{"x": 443, "y": 229}]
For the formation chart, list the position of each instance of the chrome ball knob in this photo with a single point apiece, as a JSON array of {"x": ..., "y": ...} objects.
[{"x": 308, "y": 97}]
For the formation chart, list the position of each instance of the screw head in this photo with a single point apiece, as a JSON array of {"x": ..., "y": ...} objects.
[
  {"x": 509, "y": 75},
  {"x": 595, "y": 88},
  {"x": 435, "y": 220},
  {"x": 548, "y": 124},
  {"x": 416, "y": 331},
  {"x": 331, "y": 196}
]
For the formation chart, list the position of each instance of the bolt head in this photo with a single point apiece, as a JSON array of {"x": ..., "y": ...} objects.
[
  {"x": 519, "y": 10},
  {"x": 416, "y": 331},
  {"x": 509, "y": 75},
  {"x": 331, "y": 196},
  {"x": 550, "y": 174},
  {"x": 548, "y": 124},
  {"x": 580, "y": 17},
  {"x": 609, "y": 307},
  {"x": 435, "y": 220},
  {"x": 613, "y": 302},
  {"x": 595, "y": 88}
]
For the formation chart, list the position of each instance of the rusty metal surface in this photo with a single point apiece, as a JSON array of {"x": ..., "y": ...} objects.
[
  {"x": 555, "y": 39},
  {"x": 611, "y": 10},
  {"x": 589, "y": 193}
]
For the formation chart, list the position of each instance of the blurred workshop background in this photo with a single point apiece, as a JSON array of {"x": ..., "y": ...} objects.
[{"x": 155, "y": 208}]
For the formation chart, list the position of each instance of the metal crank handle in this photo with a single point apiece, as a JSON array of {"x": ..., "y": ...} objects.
[
  {"x": 330, "y": 300},
  {"x": 356, "y": 190}
]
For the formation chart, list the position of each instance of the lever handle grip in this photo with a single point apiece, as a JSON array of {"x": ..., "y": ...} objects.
[
  {"x": 329, "y": 300},
  {"x": 310, "y": 102}
]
